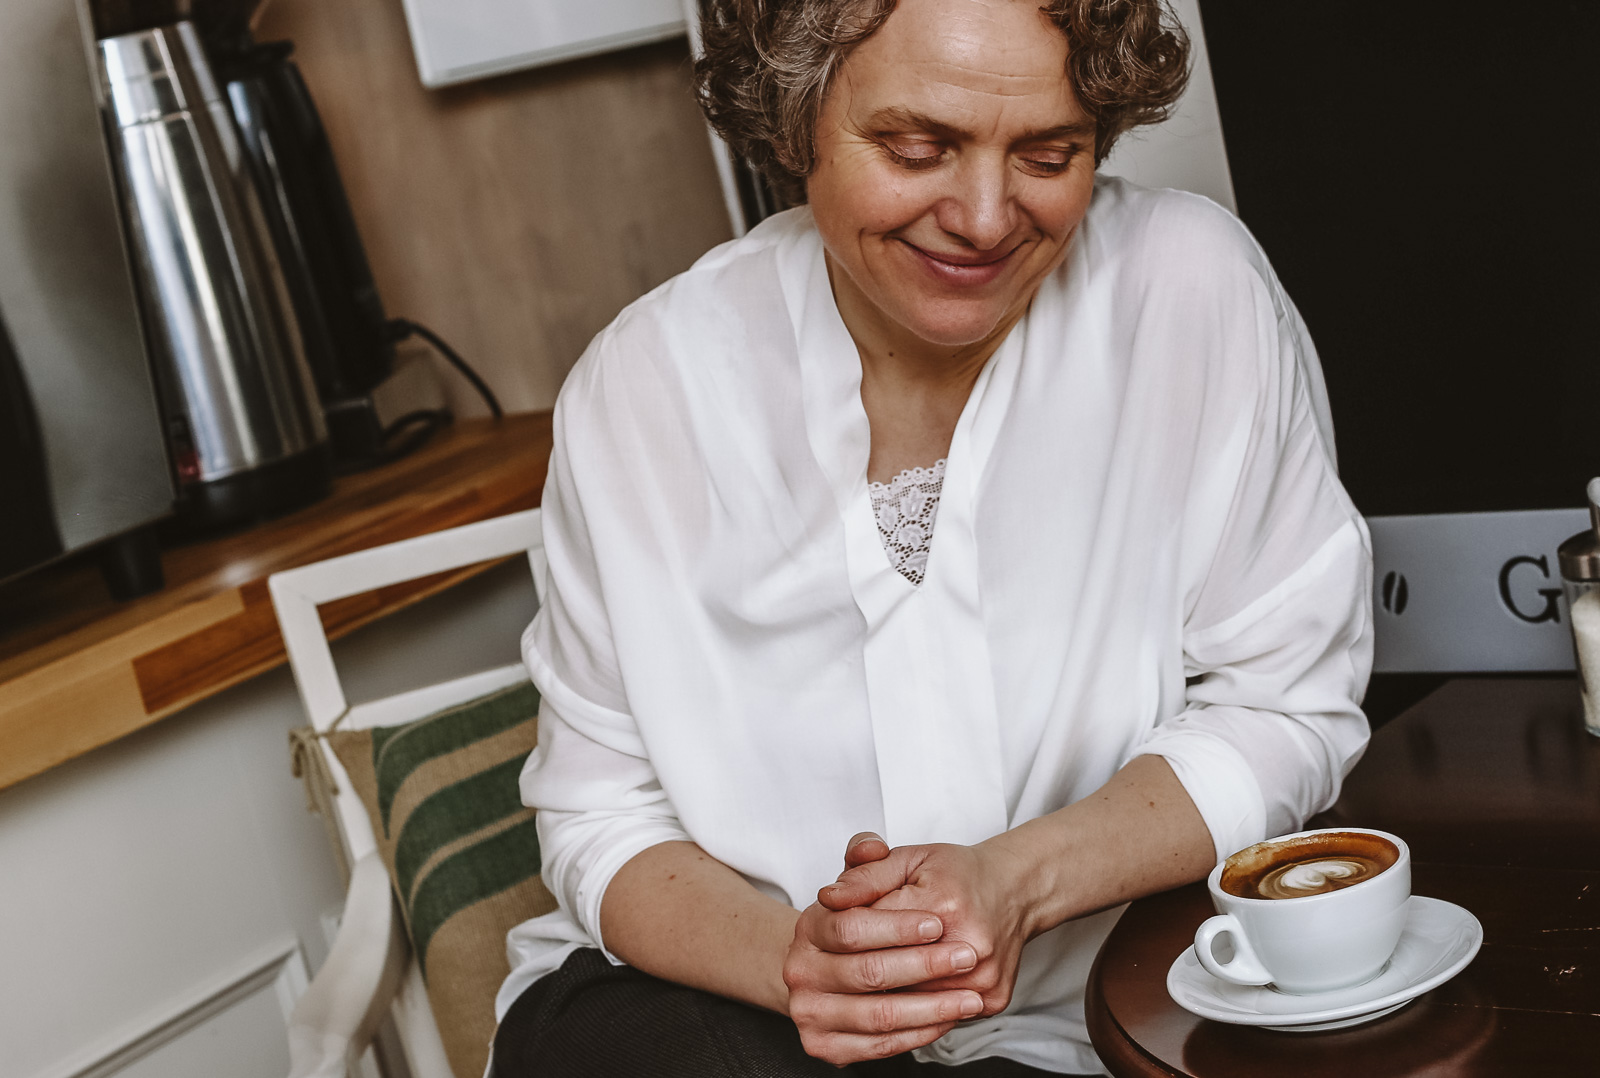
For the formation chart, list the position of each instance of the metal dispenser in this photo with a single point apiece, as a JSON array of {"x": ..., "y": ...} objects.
[{"x": 246, "y": 432}]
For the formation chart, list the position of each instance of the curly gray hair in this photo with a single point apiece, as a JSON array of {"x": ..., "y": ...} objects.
[{"x": 768, "y": 64}]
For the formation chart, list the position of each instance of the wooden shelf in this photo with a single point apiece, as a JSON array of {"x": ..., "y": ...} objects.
[{"x": 78, "y": 670}]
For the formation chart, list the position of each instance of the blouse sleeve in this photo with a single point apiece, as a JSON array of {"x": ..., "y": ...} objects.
[
  {"x": 1277, "y": 639},
  {"x": 598, "y": 796}
]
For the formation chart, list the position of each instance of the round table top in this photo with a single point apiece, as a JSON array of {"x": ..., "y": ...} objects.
[{"x": 1496, "y": 788}]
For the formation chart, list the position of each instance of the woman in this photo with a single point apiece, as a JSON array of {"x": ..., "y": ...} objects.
[{"x": 980, "y": 507}]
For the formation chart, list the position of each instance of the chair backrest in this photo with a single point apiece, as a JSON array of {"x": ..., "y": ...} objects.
[{"x": 296, "y": 594}]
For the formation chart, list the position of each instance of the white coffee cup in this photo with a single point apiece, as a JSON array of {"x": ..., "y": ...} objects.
[{"x": 1312, "y": 943}]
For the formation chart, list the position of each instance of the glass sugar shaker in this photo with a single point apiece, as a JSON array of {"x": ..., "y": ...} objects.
[{"x": 1580, "y": 580}]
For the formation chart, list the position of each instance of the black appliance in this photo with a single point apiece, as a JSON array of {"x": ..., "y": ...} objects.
[
  {"x": 83, "y": 467},
  {"x": 348, "y": 340},
  {"x": 29, "y": 535}
]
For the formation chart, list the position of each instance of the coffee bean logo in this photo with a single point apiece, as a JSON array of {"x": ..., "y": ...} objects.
[{"x": 1395, "y": 592}]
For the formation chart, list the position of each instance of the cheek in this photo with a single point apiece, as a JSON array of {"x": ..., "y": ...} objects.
[
  {"x": 887, "y": 203},
  {"x": 854, "y": 194},
  {"x": 1059, "y": 210}
]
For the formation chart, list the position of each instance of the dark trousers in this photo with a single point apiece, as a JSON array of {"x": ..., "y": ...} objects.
[{"x": 590, "y": 1019}]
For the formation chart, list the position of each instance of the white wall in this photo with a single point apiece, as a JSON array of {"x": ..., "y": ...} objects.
[
  {"x": 1187, "y": 151},
  {"x": 172, "y": 885}
]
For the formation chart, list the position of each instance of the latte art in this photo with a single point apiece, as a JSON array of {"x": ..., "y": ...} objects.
[
  {"x": 1317, "y": 876},
  {"x": 1306, "y": 865}
]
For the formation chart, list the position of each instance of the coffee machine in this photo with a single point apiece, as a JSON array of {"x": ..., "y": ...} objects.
[
  {"x": 263, "y": 405},
  {"x": 244, "y": 429}
]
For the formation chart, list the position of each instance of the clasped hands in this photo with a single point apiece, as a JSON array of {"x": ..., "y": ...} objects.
[{"x": 907, "y": 943}]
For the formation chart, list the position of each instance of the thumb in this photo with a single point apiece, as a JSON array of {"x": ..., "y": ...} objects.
[
  {"x": 866, "y": 883},
  {"x": 864, "y": 848}
]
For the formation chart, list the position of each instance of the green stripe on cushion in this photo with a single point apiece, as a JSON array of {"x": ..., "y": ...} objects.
[
  {"x": 381, "y": 736},
  {"x": 478, "y": 872},
  {"x": 394, "y": 757},
  {"x": 452, "y": 813}
]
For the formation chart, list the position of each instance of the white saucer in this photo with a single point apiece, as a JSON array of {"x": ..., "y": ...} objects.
[{"x": 1438, "y": 941}]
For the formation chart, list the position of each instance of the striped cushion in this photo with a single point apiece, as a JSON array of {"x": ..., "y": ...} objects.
[{"x": 461, "y": 849}]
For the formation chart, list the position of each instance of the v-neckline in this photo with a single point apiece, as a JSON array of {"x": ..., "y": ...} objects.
[
  {"x": 840, "y": 432},
  {"x": 925, "y": 653}
]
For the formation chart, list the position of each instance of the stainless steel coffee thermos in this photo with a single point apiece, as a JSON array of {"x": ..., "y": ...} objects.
[{"x": 243, "y": 421}]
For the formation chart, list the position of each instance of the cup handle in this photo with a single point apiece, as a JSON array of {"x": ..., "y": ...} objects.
[{"x": 1244, "y": 968}]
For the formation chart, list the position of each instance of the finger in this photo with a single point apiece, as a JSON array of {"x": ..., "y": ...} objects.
[
  {"x": 864, "y": 848},
  {"x": 995, "y": 995},
  {"x": 862, "y": 929},
  {"x": 891, "y": 1012},
  {"x": 864, "y": 884},
  {"x": 892, "y": 967},
  {"x": 841, "y": 1049}
]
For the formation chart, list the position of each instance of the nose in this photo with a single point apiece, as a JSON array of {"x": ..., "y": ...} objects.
[{"x": 980, "y": 207}]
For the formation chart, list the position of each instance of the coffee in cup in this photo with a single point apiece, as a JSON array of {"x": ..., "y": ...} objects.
[
  {"x": 1311, "y": 864},
  {"x": 1308, "y": 912}
]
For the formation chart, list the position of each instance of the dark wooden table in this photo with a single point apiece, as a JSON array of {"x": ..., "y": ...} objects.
[{"x": 1496, "y": 788}]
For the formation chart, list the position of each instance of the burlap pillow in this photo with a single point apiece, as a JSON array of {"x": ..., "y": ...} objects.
[{"x": 461, "y": 849}]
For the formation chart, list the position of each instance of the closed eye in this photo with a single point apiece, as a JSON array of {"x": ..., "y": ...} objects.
[
  {"x": 914, "y": 155},
  {"x": 1049, "y": 162}
]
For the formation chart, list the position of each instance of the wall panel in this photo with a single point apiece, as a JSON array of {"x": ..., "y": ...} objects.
[{"x": 516, "y": 215}]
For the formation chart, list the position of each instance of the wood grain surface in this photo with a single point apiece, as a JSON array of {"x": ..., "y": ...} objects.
[
  {"x": 1496, "y": 789},
  {"x": 514, "y": 215},
  {"x": 78, "y": 671}
]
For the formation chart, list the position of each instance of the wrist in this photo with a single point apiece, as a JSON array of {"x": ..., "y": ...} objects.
[
  {"x": 1029, "y": 871},
  {"x": 776, "y": 994}
]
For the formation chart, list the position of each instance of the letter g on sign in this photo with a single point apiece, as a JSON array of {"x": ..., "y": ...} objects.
[{"x": 1552, "y": 596}]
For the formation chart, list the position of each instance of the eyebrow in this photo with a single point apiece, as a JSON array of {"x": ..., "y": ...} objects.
[{"x": 896, "y": 117}]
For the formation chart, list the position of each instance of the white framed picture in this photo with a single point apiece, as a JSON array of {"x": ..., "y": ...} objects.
[{"x": 460, "y": 40}]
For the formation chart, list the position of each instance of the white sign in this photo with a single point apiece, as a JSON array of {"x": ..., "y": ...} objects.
[{"x": 1465, "y": 592}]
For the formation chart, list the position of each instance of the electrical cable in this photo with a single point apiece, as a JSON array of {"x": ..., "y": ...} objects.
[
  {"x": 418, "y": 426},
  {"x": 402, "y": 328},
  {"x": 423, "y": 423}
]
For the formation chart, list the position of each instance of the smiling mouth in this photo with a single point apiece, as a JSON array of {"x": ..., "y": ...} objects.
[
  {"x": 966, "y": 269},
  {"x": 972, "y": 260}
]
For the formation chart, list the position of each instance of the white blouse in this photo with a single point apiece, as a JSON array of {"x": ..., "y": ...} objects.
[{"x": 1142, "y": 548}]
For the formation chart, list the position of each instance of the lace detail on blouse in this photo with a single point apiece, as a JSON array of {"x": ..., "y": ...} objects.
[{"x": 905, "y": 507}]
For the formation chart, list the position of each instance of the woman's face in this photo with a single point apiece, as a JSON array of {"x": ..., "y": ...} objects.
[{"x": 953, "y": 163}]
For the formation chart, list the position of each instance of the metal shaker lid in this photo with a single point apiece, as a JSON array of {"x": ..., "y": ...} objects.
[
  {"x": 1580, "y": 557},
  {"x": 155, "y": 73}
]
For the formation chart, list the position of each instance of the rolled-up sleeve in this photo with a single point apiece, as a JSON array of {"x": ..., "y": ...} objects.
[
  {"x": 1274, "y": 722},
  {"x": 598, "y": 797},
  {"x": 1277, "y": 639}
]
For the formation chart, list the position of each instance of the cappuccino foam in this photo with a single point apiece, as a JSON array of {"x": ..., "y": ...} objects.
[
  {"x": 1317, "y": 876},
  {"x": 1310, "y": 865}
]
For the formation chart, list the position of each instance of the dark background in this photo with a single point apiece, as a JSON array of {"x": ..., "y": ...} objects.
[{"x": 1424, "y": 178}]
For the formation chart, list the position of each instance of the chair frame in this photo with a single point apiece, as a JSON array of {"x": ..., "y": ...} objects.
[{"x": 369, "y": 971}]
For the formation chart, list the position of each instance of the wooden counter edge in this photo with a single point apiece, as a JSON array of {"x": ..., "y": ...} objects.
[{"x": 116, "y": 686}]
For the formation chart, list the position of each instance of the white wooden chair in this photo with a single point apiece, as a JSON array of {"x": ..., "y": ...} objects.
[{"x": 369, "y": 971}]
